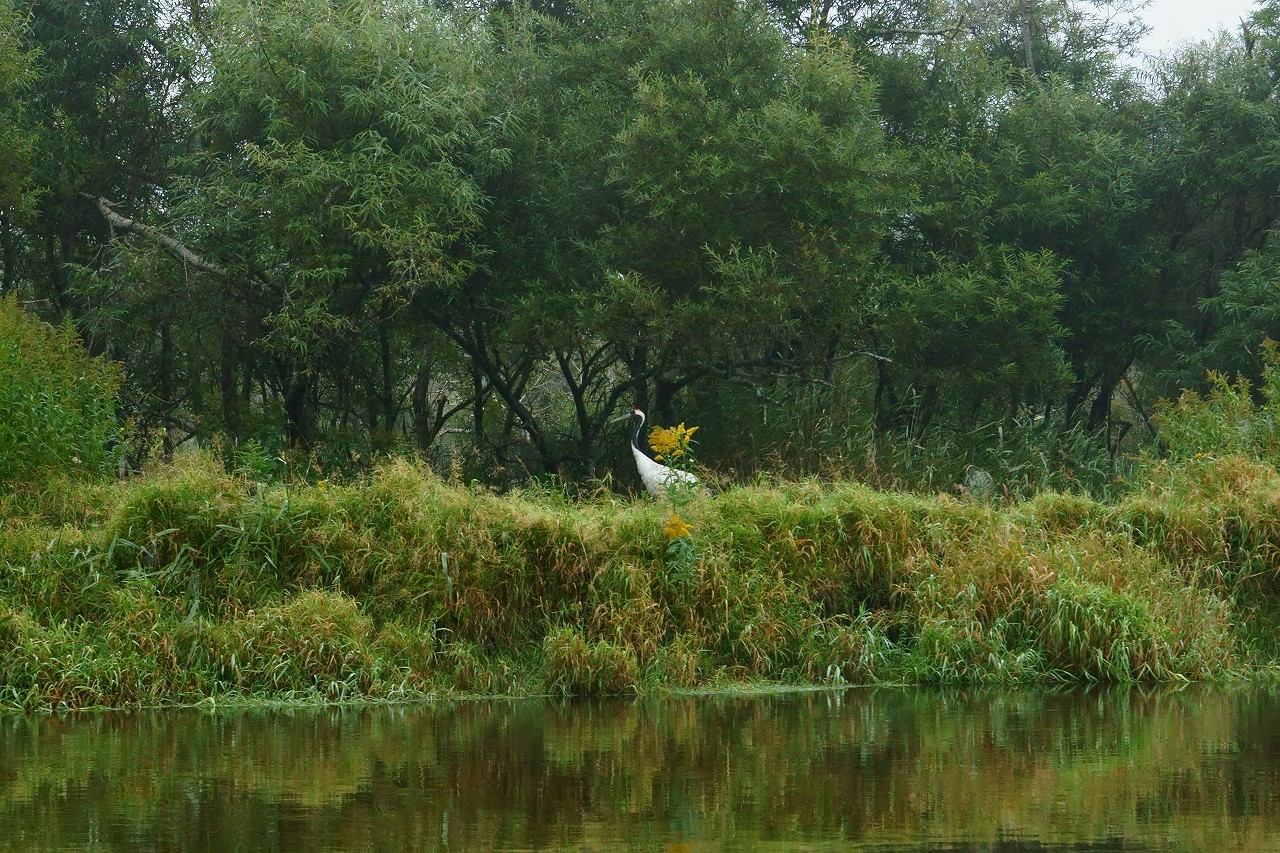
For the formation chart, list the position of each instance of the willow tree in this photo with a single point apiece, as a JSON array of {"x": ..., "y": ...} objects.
[
  {"x": 691, "y": 198},
  {"x": 109, "y": 72},
  {"x": 335, "y": 182},
  {"x": 1219, "y": 206},
  {"x": 1037, "y": 225}
]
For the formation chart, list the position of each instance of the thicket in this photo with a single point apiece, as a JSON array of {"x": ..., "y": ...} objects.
[
  {"x": 194, "y": 584},
  {"x": 895, "y": 239},
  {"x": 918, "y": 271}
]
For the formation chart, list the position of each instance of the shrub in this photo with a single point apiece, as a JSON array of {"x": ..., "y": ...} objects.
[
  {"x": 1232, "y": 419},
  {"x": 1223, "y": 423},
  {"x": 57, "y": 402}
]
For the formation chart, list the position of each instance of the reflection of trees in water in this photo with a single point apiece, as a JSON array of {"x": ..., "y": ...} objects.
[{"x": 1193, "y": 767}]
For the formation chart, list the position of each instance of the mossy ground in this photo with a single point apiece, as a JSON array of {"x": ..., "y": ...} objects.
[{"x": 190, "y": 584}]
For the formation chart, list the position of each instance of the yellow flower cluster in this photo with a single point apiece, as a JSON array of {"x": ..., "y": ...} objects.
[
  {"x": 670, "y": 441},
  {"x": 676, "y": 528}
]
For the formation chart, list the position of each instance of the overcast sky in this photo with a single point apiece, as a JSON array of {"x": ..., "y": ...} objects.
[{"x": 1173, "y": 21}]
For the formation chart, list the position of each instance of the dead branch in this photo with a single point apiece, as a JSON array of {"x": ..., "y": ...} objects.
[{"x": 170, "y": 245}]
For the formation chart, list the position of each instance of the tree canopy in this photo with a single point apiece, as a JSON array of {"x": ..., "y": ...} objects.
[{"x": 480, "y": 230}]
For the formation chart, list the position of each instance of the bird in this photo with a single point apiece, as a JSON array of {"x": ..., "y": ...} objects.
[{"x": 658, "y": 479}]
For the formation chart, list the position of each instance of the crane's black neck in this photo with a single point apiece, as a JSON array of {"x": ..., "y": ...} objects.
[{"x": 638, "y": 417}]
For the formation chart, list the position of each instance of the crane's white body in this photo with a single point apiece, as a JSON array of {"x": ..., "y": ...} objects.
[{"x": 658, "y": 479}]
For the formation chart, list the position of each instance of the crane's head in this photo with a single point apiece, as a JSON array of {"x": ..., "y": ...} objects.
[{"x": 634, "y": 413}]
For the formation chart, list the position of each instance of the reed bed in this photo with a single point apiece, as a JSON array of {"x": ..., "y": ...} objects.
[{"x": 191, "y": 584}]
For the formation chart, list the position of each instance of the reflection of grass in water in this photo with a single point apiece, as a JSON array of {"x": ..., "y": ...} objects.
[
  {"x": 193, "y": 583},
  {"x": 1190, "y": 769}
]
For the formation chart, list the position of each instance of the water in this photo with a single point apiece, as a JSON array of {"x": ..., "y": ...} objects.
[{"x": 884, "y": 770}]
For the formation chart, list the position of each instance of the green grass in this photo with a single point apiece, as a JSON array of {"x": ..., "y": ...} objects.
[{"x": 191, "y": 584}]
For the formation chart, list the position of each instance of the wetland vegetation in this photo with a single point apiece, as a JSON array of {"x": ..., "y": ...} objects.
[
  {"x": 314, "y": 316},
  {"x": 197, "y": 582}
]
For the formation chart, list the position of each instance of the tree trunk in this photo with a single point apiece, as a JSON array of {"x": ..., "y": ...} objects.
[
  {"x": 166, "y": 387},
  {"x": 577, "y": 391},
  {"x": 928, "y": 407},
  {"x": 387, "y": 392},
  {"x": 887, "y": 409},
  {"x": 664, "y": 403},
  {"x": 8, "y": 255},
  {"x": 481, "y": 391},
  {"x": 1026, "y": 35},
  {"x": 299, "y": 414}
]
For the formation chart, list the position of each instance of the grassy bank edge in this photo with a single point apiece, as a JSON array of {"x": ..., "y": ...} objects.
[{"x": 192, "y": 583}]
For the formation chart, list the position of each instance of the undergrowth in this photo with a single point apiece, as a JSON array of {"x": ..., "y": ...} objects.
[
  {"x": 192, "y": 583},
  {"x": 1011, "y": 553}
]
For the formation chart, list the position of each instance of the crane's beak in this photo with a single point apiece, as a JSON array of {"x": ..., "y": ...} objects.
[{"x": 620, "y": 418}]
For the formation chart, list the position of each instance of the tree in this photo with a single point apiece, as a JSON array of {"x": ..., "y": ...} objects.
[
  {"x": 690, "y": 198},
  {"x": 17, "y": 139},
  {"x": 333, "y": 184},
  {"x": 1217, "y": 200},
  {"x": 109, "y": 70},
  {"x": 983, "y": 332},
  {"x": 1078, "y": 180},
  {"x": 1036, "y": 181}
]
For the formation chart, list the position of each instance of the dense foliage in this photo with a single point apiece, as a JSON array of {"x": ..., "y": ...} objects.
[
  {"x": 58, "y": 403},
  {"x": 959, "y": 247},
  {"x": 889, "y": 239},
  {"x": 192, "y": 583}
]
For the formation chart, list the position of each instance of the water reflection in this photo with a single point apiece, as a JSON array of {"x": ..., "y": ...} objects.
[{"x": 1194, "y": 769}]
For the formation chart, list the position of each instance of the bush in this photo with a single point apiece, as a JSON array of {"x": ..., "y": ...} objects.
[
  {"x": 1232, "y": 419},
  {"x": 57, "y": 404}
]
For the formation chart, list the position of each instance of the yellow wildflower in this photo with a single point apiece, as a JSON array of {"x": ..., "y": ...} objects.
[
  {"x": 662, "y": 440},
  {"x": 676, "y": 528},
  {"x": 672, "y": 441}
]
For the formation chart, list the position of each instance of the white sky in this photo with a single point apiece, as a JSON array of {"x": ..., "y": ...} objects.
[{"x": 1174, "y": 21}]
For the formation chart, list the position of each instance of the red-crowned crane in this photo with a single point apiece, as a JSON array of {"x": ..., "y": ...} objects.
[{"x": 658, "y": 479}]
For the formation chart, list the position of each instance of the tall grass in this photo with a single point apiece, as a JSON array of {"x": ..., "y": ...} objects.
[
  {"x": 798, "y": 430},
  {"x": 192, "y": 583},
  {"x": 227, "y": 580}
]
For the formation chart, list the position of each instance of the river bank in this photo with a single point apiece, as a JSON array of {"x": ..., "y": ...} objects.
[{"x": 191, "y": 583}]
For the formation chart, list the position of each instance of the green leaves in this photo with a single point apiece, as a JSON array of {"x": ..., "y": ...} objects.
[
  {"x": 342, "y": 144},
  {"x": 17, "y": 130},
  {"x": 736, "y": 182},
  {"x": 979, "y": 329},
  {"x": 58, "y": 404},
  {"x": 535, "y": 214}
]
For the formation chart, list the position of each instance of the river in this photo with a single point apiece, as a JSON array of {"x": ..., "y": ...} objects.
[{"x": 859, "y": 769}]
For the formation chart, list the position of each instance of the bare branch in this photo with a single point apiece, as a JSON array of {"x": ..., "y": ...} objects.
[
  {"x": 887, "y": 34},
  {"x": 170, "y": 245}
]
